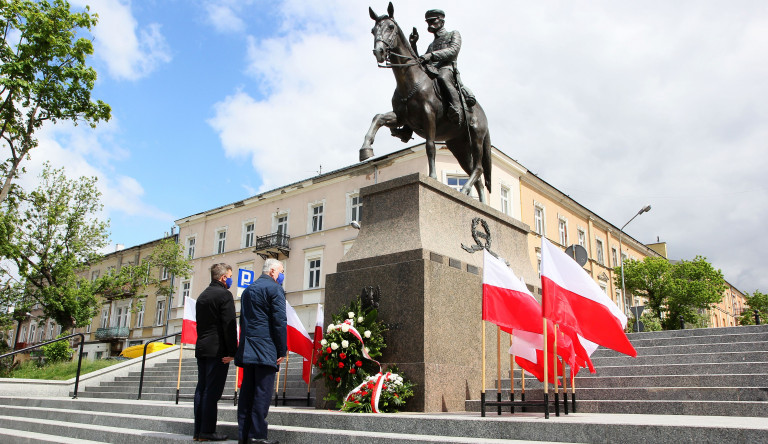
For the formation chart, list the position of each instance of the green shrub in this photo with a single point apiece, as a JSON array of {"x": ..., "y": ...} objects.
[{"x": 57, "y": 351}]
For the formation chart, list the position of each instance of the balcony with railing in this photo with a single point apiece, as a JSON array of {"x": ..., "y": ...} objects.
[
  {"x": 274, "y": 245},
  {"x": 112, "y": 333}
]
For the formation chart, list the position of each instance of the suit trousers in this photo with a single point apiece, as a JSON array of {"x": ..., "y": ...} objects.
[
  {"x": 255, "y": 397},
  {"x": 211, "y": 377}
]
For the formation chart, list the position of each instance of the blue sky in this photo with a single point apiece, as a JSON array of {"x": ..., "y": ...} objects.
[{"x": 618, "y": 104}]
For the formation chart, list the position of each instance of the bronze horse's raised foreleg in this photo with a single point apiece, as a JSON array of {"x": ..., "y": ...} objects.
[{"x": 387, "y": 119}]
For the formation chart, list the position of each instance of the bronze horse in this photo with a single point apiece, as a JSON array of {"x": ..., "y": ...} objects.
[{"x": 417, "y": 105}]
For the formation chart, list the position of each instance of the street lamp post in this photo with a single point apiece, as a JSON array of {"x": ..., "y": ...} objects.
[{"x": 645, "y": 209}]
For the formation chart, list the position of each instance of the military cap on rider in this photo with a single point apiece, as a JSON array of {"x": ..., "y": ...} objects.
[{"x": 434, "y": 13}]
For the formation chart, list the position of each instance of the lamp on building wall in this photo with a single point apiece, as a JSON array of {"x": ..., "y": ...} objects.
[
  {"x": 645, "y": 209},
  {"x": 19, "y": 320},
  {"x": 355, "y": 224}
]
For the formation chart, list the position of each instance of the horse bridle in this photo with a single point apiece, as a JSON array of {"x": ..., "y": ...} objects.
[{"x": 388, "y": 48}]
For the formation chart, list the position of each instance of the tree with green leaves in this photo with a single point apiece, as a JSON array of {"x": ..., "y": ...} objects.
[
  {"x": 756, "y": 301},
  {"x": 43, "y": 76},
  {"x": 131, "y": 281},
  {"x": 49, "y": 235},
  {"x": 685, "y": 288}
]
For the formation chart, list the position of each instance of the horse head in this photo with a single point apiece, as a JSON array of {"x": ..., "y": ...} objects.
[{"x": 385, "y": 33}]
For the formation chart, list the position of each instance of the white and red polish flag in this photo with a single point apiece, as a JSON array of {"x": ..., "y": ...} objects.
[
  {"x": 506, "y": 301},
  {"x": 318, "y": 331},
  {"x": 189, "y": 322},
  {"x": 298, "y": 340},
  {"x": 570, "y": 297}
]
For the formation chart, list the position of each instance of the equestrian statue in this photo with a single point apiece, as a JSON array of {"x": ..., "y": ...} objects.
[{"x": 430, "y": 98}]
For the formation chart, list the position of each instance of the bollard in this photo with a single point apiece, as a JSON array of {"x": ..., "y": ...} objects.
[
  {"x": 757, "y": 317},
  {"x": 682, "y": 323}
]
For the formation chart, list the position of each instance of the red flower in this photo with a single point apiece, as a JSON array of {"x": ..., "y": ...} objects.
[
  {"x": 341, "y": 365},
  {"x": 328, "y": 350},
  {"x": 364, "y": 393},
  {"x": 396, "y": 395},
  {"x": 357, "y": 402},
  {"x": 338, "y": 379},
  {"x": 326, "y": 358},
  {"x": 343, "y": 355},
  {"x": 352, "y": 370},
  {"x": 330, "y": 376},
  {"x": 359, "y": 364},
  {"x": 383, "y": 387}
]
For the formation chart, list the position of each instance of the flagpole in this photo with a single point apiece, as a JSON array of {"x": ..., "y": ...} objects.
[
  {"x": 511, "y": 377},
  {"x": 482, "y": 378},
  {"x": 285, "y": 379},
  {"x": 573, "y": 392},
  {"x": 522, "y": 391},
  {"x": 178, "y": 377},
  {"x": 554, "y": 379},
  {"x": 237, "y": 380},
  {"x": 565, "y": 388},
  {"x": 498, "y": 366},
  {"x": 546, "y": 379},
  {"x": 277, "y": 386}
]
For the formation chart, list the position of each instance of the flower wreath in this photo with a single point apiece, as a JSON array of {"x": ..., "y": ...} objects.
[{"x": 347, "y": 361}]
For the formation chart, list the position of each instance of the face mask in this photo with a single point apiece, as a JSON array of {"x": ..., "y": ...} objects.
[
  {"x": 228, "y": 282},
  {"x": 280, "y": 278}
]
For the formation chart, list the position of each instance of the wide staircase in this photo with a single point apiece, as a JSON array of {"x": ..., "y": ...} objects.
[
  {"x": 160, "y": 383},
  {"x": 704, "y": 385},
  {"x": 713, "y": 371}
]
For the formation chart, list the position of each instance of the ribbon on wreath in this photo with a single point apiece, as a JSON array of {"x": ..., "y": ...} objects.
[
  {"x": 359, "y": 337},
  {"x": 376, "y": 393}
]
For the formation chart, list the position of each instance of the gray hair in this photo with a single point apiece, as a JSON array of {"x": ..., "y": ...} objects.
[
  {"x": 219, "y": 270},
  {"x": 269, "y": 264}
]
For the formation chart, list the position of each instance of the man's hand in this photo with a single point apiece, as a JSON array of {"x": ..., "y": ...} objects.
[
  {"x": 227, "y": 359},
  {"x": 280, "y": 360},
  {"x": 414, "y": 36},
  {"x": 425, "y": 58}
]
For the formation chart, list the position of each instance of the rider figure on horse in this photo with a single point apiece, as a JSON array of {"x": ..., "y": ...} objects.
[{"x": 440, "y": 62}]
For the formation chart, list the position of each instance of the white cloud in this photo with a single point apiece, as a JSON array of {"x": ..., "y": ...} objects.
[
  {"x": 618, "y": 104},
  {"x": 130, "y": 52},
  {"x": 225, "y": 15},
  {"x": 82, "y": 151}
]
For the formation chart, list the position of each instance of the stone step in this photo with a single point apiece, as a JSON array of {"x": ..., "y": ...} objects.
[
  {"x": 679, "y": 349},
  {"x": 724, "y": 394},
  {"x": 691, "y": 358},
  {"x": 118, "y": 421},
  {"x": 728, "y": 380},
  {"x": 699, "y": 332},
  {"x": 701, "y": 339},
  {"x": 676, "y": 369}
]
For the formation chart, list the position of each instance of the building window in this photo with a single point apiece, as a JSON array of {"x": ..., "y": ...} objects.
[
  {"x": 504, "y": 200},
  {"x": 281, "y": 224},
  {"x": 191, "y": 248},
  {"x": 317, "y": 218},
  {"x": 248, "y": 231},
  {"x": 94, "y": 275},
  {"x": 562, "y": 228},
  {"x": 160, "y": 313},
  {"x": 599, "y": 251},
  {"x": 164, "y": 274},
  {"x": 51, "y": 329},
  {"x": 456, "y": 182},
  {"x": 32, "y": 328},
  {"x": 355, "y": 208},
  {"x": 105, "y": 317},
  {"x": 140, "y": 314},
  {"x": 221, "y": 241},
  {"x": 538, "y": 261},
  {"x": 185, "y": 290},
  {"x": 314, "y": 273},
  {"x": 582, "y": 238},
  {"x": 538, "y": 220},
  {"x": 614, "y": 257},
  {"x": 122, "y": 316}
]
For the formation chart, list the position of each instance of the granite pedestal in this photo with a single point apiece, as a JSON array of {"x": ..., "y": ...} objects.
[{"x": 411, "y": 245}]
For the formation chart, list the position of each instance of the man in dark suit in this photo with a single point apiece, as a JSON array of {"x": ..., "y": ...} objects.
[
  {"x": 262, "y": 348},
  {"x": 215, "y": 349}
]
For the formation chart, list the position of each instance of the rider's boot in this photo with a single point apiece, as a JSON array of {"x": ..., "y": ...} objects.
[{"x": 404, "y": 133}]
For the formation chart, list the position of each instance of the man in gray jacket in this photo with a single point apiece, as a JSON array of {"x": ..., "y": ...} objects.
[{"x": 263, "y": 346}]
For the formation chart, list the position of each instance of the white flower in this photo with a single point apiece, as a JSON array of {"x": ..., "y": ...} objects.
[
  {"x": 360, "y": 320},
  {"x": 323, "y": 342},
  {"x": 367, "y": 333},
  {"x": 345, "y": 343},
  {"x": 351, "y": 322},
  {"x": 351, "y": 314},
  {"x": 366, "y": 350},
  {"x": 331, "y": 327},
  {"x": 345, "y": 327},
  {"x": 334, "y": 346}
]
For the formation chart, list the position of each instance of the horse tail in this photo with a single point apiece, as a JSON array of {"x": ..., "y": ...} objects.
[{"x": 487, "y": 160}]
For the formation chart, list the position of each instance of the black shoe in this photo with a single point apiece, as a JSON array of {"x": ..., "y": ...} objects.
[
  {"x": 263, "y": 441},
  {"x": 212, "y": 437}
]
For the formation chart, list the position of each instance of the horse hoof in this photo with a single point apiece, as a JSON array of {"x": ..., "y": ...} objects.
[{"x": 365, "y": 154}]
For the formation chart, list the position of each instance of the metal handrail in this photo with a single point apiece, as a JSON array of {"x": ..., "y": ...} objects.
[
  {"x": 144, "y": 358},
  {"x": 79, "y": 358}
]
